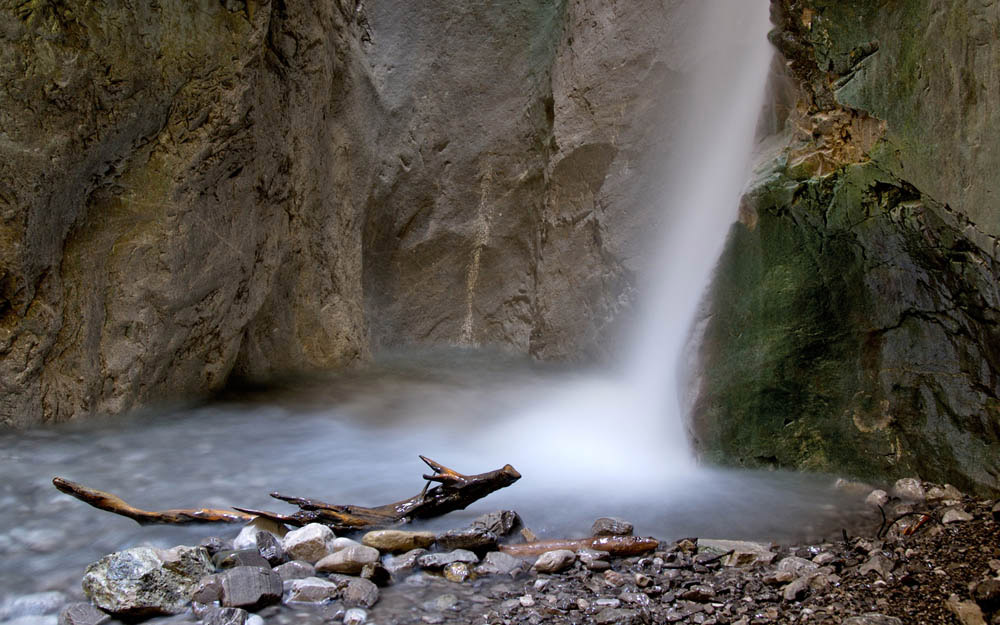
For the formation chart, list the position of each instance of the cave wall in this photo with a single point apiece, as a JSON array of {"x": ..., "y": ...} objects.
[
  {"x": 853, "y": 324},
  {"x": 196, "y": 192}
]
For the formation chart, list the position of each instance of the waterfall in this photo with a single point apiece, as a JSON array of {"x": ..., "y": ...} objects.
[{"x": 623, "y": 430}]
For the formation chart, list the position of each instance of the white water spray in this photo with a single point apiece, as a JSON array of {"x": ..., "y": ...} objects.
[{"x": 629, "y": 429}]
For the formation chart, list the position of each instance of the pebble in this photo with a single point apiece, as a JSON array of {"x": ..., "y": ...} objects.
[
  {"x": 208, "y": 590},
  {"x": 340, "y": 543},
  {"x": 611, "y": 526},
  {"x": 554, "y": 561},
  {"x": 82, "y": 614},
  {"x": 457, "y": 572},
  {"x": 472, "y": 538},
  {"x": 313, "y": 590},
  {"x": 796, "y": 590},
  {"x": 397, "y": 541},
  {"x": 360, "y": 592},
  {"x": 441, "y": 560},
  {"x": 405, "y": 562},
  {"x": 269, "y": 547},
  {"x": 254, "y": 619},
  {"x": 910, "y": 488},
  {"x": 745, "y": 553},
  {"x": 224, "y": 616},
  {"x": 228, "y": 559},
  {"x": 797, "y": 566},
  {"x": 879, "y": 564},
  {"x": 877, "y": 498},
  {"x": 499, "y": 563},
  {"x": 296, "y": 569},
  {"x": 308, "y": 543},
  {"x": 501, "y": 522},
  {"x": 699, "y": 593},
  {"x": 250, "y": 587},
  {"x": 593, "y": 559},
  {"x": 968, "y": 612},
  {"x": 355, "y": 616},
  {"x": 955, "y": 515},
  {"x": 526, "y": 601},
  {"x": 350, "y": 560},
  {"x": 944, "y": 493}
]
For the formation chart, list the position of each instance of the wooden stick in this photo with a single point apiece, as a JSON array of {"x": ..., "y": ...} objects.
[
  {"x": 454, "y": 492},
  {"x": 615, "y": 545}
]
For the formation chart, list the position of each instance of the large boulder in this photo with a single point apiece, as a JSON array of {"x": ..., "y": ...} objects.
[{"x": 144, "y": 581}]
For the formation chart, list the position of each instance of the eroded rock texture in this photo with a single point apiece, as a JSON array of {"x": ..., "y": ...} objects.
[
  {"x": 854, "y": 323},
  {"x": 200, "y": 190}
]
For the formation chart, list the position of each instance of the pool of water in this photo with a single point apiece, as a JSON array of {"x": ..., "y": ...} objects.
[{"x": 354, "y": 438}]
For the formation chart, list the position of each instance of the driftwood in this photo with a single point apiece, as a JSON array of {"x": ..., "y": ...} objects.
[
  {"x": 614, "y": 545},
  {"x": 454, "y": 492}
]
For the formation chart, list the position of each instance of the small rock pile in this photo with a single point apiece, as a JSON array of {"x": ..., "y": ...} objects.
[{"x": 932, "y": 556}]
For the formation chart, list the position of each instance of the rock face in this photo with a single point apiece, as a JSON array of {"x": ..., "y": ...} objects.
[
  {"x": 853, "y": 322},
  {"x": 192, "y": 194}
]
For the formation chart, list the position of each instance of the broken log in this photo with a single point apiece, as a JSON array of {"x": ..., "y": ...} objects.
[
  {"x": 454, "y": 491},
  {"x": 614, "y": 545}
]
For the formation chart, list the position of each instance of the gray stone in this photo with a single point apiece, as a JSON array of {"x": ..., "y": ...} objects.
[
  {"x": 473, "y": 538},
  {"x": 594, "y": 559},
  {"x": 944, "y": 493},
  {"x": 397, "y": 541},
  {"x": 246, "y": 557},
  {"x": 404, "y": 562},
  {"x": 308, "y": 543},
  {"x": 296, "y": 569},
  {"x": 500, "y": 522},
  {"x": 351, "y": 560},
  {"x": 340, "y": 543},
  {"x": 797, "y": 566},
  {"x": 355, "y": 616},
  {"x": 699, "y": 593},
  {"x": 955, "y": 515},
  {"x": 441, "y": 560},
  {"x": 877, "y": 498},
  {"x": 611, "y": 526},
  {"x": 143, "y": 581},
  {"x": 616, "y": 616},
  {"x": 208, "y": 590},
  {"x": 269, "y": 547},
  {"x": 360, "y": 592},
  {"x": 796, "y": 590},
  {"x": 499, "y": 563},
  {"x": 82, "y": 614},
  {"x": 457, "y": 572},
  {"x": 554, "y": 561},
  {"x": 314, "y": 590},
  {"x": 224, "y": 616},
  {"x": 250, "y": 587},
  {"x": 909, "y": 488},
  {"x": 967, "y": 612},
  {"x": 31, "y": 605},
  {"x": 745, "y": 553},
  {"x": 878, "y": 563}
]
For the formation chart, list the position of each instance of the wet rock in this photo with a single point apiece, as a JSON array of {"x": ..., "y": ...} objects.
[
  {"x": 643, "y": 581},
  {"x": 878, "y": 564},
  {"x": 404, "y": 562},
  {"x": 745, "y": 553},
  {"x": 209, "y": 590},
  {"x": 777, "y": 578},
  {"x": 594, "y": 559},
  {"x": 82, "y": 614},
  {"x": 824, "y": 558},
  {"x": 296, "y": 569},
  {"x": 614, "y": 579},
  {"x": 224, "y": 616},
  {"x": 441, "y": 560},
  {"x": 247, "y": 538},
  {"x": 32, "y": 605},
  {"x": 498, "y": 563},
  {"x": 308, "y": 543},
  {"x": 473, "y": 538},
  {"x": 227, "y": 559},
  {"x": 269, "y": 547},
  {"x": 699, "y": 593},
  {"x": 955, "y": 515},
  {"x": 350, "y": 560},
  {"x": 313, "y": 590},
  {"x": 797, "y": 566},
  {"x": 250, "y": 587},
  {"x": 967, "y": 612},
  {"x": 909, "y": 488},
  {"x": 214, "y": 544},
  {"x": 360, "y": 592},
  {"x": 944, "y": 493},
  {"x": 501, "y": 522},
  {"x": 872, "y": 618},
  {"x": 554, "y": 561},
  {"x": 876, "y": 498},
  {"x": 987, "y": 594},
  {"x": 457, "y": 572},
  {"x": 796, "y": 590},
  {"x": 355, "y": 616},
  {"x": 611, "y": 526},
  {"x": 397, "y": 541},
  {"x": 143, "y": 581},
  {"x": 526, "y": 601},
  {"x": 341, "y": 543}
]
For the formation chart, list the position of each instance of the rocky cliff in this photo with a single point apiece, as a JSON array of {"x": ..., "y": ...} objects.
[
  {"x": 195, "y": 191},
  {"x": 854, "y": 315}
]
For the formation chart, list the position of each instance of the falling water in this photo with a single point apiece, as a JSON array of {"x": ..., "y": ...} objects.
[{"x": 629, "y": 428}]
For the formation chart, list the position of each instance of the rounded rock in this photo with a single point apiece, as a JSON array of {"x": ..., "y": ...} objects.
[
  {"x": 308, "y": 543},
  {"x": 397, "y": 541},
  {"x": 554, "y": 561}
]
